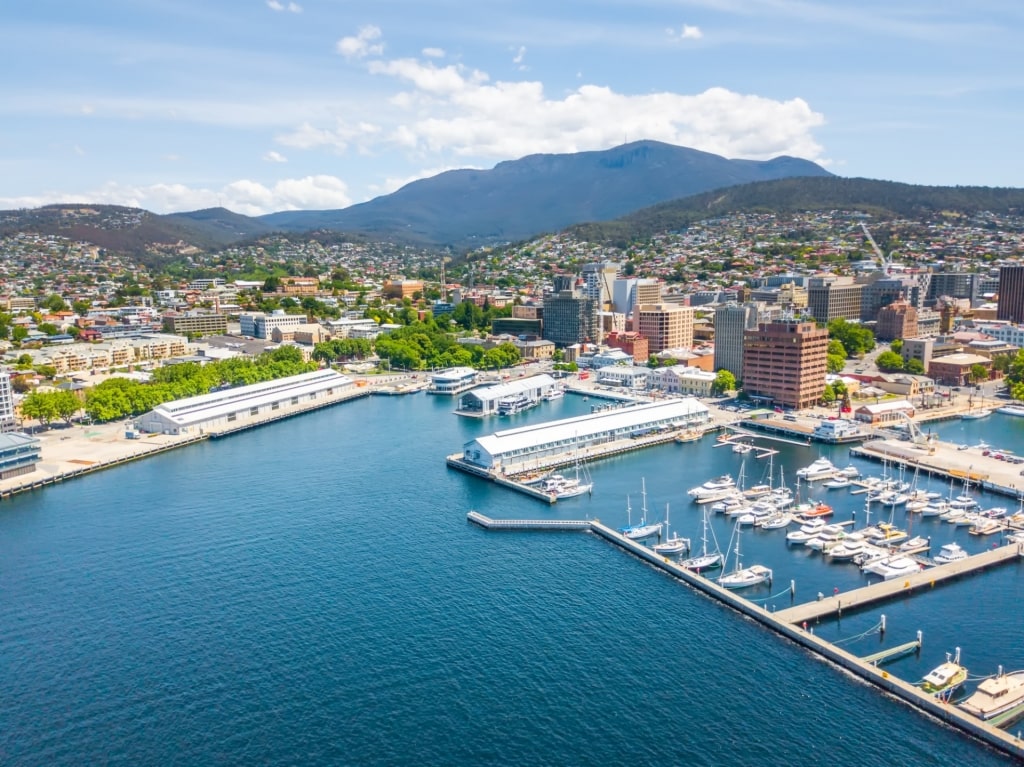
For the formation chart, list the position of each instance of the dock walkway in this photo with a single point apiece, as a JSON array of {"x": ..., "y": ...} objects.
[
  {"x": 878, "y": 592},
  {"x": 527, "y": 524}
]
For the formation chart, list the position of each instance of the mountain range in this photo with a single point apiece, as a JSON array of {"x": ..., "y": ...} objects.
[
  {"x": 613, "y": 196},
  {"x": 461, "y": 209}
]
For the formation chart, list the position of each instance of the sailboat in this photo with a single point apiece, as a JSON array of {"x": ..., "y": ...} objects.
[
  {"x": 706, "y": 560},
  {"x": 673, "y": 544},
  {"x": 743, "y": 577},
  {"x": 559, "y": 486},
  {"x": 644, "y": 529}
]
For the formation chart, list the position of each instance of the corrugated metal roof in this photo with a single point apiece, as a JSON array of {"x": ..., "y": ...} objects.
[
  {"x": 583, "y": 427},
  {"x": 207, "y": 406},
  {"x": 512, "y": 387}
]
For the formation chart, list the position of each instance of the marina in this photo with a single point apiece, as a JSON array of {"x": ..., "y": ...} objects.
[{"x": 970, "y": 721}]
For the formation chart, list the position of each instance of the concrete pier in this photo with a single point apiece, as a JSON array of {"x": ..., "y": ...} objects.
[
  {"x": 527, "y": 524},
  {"x": 905, "y": 691},
  {"x": 860, "y": 598}
]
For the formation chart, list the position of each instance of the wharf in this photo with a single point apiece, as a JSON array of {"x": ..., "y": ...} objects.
[
  {"x": 905, "y": 691},
  {"x": 512, "y": 476},
  {"x": 898, "y": 587},
  {"x": 527, "y": 524},
  {"x": 67, "y": 453},
  {"x": 946, "y": 460}
]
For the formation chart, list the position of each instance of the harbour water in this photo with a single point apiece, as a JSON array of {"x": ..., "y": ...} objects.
[{"x": 310, "y": 592}]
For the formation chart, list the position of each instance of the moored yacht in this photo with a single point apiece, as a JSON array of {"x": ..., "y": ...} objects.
[
  {"x": 950, "y": 552},
  {"x": 896, "y": 566},
  {"x": 944, "y": 679},
  {"x": 996, "y": 695},
  {"x": 819, "y": 469},
  {"x": 713, "y": 489}
]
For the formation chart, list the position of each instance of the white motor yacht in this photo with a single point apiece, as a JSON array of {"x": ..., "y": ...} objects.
[
  {"x": 950, "y": 552},
  {"x": 713, "y": 489},
  {"x": 896, "y": 566},
  {"x": 819, "y": 469}
]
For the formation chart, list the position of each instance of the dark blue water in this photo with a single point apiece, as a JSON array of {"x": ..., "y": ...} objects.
[{"x": 310, "y": 592}]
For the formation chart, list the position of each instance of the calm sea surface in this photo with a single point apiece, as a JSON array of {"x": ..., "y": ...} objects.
[{"x": 311, "y": 593}]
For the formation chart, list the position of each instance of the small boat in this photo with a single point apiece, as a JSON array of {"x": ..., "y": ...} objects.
[
  {"x": 974, "y": 415},
  {"x": 805, "y": 532},
  {"x": 846, "y": 549},
  {"x": 819, "y": 469},
  {"x": 561, "y": 487},
  {"x": 827, "y": 537},
  {"x": 706, "y": 560},
  {"x": 850, "y": 472},
  {"x": 757, "y": 491},
  {"x": 1016, "y": 410},
  {"x": 672, "y": 544},
  {"x": 643, "y": 530},
  {"x": 744, "y": 577},
  {"x": 713, "y": 489},
  {"x": 888, "y": 535},
  {"x": 950, "y": 552},
  {"x": 776, "y": 521},
  {"x": 996, "y": 695},
  {"x": 896, "y": 566},
  {"x": 553, "y": 394},
  {"x": 837, "y": 483},
  {"x": 817, "y": 510},
  {"x": 917, "y": 543},
  {"x": 985, "y": 526},
  {"x": 690, "y": 435},
  {"x": 742, "y": 447},
  {"x": 944, "y": 679}
]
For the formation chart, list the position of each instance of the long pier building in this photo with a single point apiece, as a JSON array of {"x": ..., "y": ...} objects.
[{"x": 514, "y": 449}]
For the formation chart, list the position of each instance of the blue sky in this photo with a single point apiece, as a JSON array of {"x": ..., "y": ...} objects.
[{"x": 264, "y": 105}]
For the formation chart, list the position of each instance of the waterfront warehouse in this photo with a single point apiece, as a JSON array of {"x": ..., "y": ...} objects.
[
  {"x": 514, "y": 449},
  {"x": 226, "y": 410},
  {"x": 485, "y": 400}
]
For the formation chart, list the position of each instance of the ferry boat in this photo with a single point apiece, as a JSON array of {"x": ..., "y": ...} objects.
[
  {"x": 819, "y": 469},
  {"x": 838, "y": 431},
  {"x": 996, "y": 695},
  {"x": 1016, "y": 410},
  {"x": 517, "y": 403}
]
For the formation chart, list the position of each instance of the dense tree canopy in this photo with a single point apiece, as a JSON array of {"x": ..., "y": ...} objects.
[
  {"x": 856, "y": 339},
  {"x": 121, "y": 397}
]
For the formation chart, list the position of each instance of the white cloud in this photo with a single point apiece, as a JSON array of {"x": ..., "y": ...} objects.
[
  {"x": 361, "y": 45},
  {"x": 339, "y": 138},
  {"x": 273, "y": 156},
  {"x": 275, "y": 5},
  {"x": 434, "y": 53},
  {"x": 248, "y": 197},
  {"x": 78, "y": 150},
  {"x": 687, "y": 32},
  {"x": 456, "y": 111},
  {"x": 518, "y": 58},
  {"x": 393, "y": 182}
]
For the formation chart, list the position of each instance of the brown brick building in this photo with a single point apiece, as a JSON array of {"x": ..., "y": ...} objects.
[
  {"x": 631, "y": 343},
  {"x": 897, "y": 320},
  {"x": 785, "y": 361}
]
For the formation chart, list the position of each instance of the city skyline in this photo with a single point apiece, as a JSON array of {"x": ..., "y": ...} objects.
[{"x": 264, "y": 105}]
